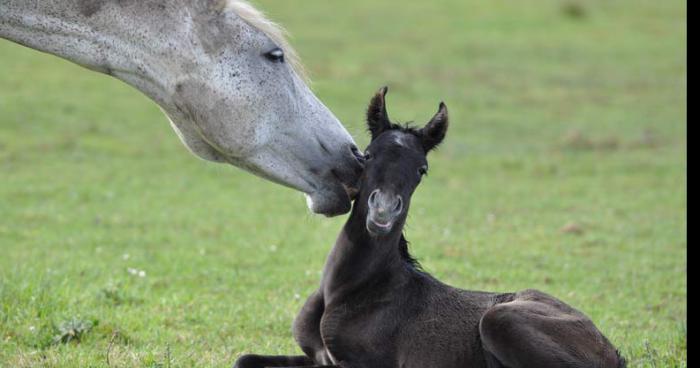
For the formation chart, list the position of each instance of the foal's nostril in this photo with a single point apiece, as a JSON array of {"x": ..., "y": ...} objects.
[
  {"x": 373, "y": 198},
  {"x": 399, "y": 204}
]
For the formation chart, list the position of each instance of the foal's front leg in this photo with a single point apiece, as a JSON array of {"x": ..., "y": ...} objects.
[
  {"x": 307, "y": 329},
  {"x": 270, "y": 361},
  {"x": 265, "y": 361},
  {"x": 308, "y": 335}
]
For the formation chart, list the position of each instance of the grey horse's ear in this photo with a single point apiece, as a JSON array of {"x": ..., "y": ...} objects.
[
  {"x": 434, "y": 132},
  {"x": 377, "y": 117}
]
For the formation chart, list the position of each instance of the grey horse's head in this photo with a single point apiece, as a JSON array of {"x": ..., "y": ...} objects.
[
  {"x": 243, "y": 100},
  {"x": 223, "y": 73}
]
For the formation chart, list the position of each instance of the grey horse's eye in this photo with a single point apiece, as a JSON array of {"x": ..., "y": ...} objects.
[
  {"x": 423, "y": 170},
  {"x": 276, "y": 55}
]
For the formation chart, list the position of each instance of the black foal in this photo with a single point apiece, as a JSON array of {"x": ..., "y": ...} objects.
[{"x": 376, "y": 308}]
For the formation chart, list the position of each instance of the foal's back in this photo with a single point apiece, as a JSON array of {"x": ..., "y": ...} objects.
[
  {"x": 450, "y": 328},
  {"x": 440, "y": 324}
]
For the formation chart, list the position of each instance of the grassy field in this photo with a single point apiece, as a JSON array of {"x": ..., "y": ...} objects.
[{"x": 564, "y": 170}]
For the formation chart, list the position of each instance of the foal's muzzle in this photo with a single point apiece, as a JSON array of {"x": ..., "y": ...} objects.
[{"x": 384, "y": 210}]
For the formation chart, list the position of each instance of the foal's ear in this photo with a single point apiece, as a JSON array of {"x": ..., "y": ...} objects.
[
  {"x": 434, "y": 132},
  {"x": 377, "y": 117}
]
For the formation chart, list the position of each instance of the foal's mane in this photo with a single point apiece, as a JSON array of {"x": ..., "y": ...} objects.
[
  {"x": 406, "y": 255},
  {"x": 277, "y": 33}
]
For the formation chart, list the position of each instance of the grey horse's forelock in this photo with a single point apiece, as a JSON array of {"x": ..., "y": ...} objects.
[{"x": 277, "y": 33}]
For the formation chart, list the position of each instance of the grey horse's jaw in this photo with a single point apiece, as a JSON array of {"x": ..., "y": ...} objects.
[{"x": 328, "y": 203}]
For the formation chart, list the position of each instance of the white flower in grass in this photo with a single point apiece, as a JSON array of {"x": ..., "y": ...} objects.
[{"x": 135, "y": 272}]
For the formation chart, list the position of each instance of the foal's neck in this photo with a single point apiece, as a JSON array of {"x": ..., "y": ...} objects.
[{"x": 360, "y": 260}]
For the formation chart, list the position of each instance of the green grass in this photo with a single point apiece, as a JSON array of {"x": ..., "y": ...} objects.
[{"x": 563, "y": 112}]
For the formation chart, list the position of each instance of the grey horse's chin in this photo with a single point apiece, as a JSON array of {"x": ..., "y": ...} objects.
[{"x": 329, "y": 202}]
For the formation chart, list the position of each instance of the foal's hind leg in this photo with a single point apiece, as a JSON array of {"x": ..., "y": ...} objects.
[{"x": 537, "y": 330}]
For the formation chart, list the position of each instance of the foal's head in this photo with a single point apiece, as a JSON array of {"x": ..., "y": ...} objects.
[{"x": 395, "y": 163}]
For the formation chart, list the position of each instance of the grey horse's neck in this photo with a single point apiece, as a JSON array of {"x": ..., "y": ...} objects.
[
  {"x": 360, "y": 260},
  {"x": 102, "y": 35}
]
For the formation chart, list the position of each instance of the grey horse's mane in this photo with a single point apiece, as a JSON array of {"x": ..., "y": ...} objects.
[{"x": 277, "y": 33}]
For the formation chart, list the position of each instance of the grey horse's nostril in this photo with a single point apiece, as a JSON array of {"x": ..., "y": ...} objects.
[{"x": 357, "y": 154}]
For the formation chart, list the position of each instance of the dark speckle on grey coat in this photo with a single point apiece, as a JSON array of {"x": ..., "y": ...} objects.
[{"x": 88, "y": 8}]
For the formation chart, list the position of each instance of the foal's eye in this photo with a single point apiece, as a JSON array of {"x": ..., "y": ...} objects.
[
  {"x": 423, "y": 170},
  {"x": 276, "y": 55},
  {"x": 368, "y": 156}
]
